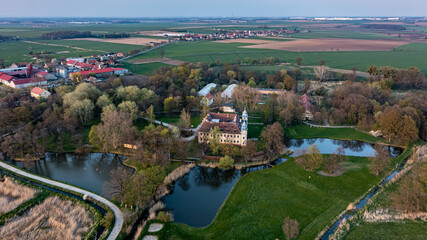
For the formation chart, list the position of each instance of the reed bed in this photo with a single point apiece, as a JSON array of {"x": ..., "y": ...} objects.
[
  {"x": 53, "y": 219},
  {"x": 13, "y": 194}
]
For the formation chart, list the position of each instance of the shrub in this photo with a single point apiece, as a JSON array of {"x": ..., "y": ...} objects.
[
  {"x": 226, "y": 162},
  {"x": 163, "y": 216},
  {"x": 290, "y": 228}
]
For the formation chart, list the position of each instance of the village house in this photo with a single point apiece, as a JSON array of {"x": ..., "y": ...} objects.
[
  {"x": 233, "y": 129},
  {"x": 40, "y": 93},
  {"x": 46, "y": 75}
]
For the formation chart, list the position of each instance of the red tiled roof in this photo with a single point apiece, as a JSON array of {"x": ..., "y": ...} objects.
[
  {"x": 305, "y": 101},
  {"x": 228, "y": 123},
  {"x": 209, "y": 96},
  {"x": 41, "y": 74},
  {"x": 5, "y": 77},
  {"x": 98, "y": 71},
  {"x": 28, "y": 80},
  {"x": 37, "y": 90}
]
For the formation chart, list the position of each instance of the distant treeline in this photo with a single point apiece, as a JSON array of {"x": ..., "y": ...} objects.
[
  {"x": 8, "y": 38},
  {"x": 383, "y": 26},
  {"x": 76, "y": 34},
  {"x": 65, "y": 35}
]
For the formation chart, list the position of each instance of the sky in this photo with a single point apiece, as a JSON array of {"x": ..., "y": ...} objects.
[{"x": 210, "y": 8}]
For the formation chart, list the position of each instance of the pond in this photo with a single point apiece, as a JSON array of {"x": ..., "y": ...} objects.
[
  {"x": 89, "y": 171},
  {"x": 329, "y": 146},
  {"x": 196, "y": 197}
]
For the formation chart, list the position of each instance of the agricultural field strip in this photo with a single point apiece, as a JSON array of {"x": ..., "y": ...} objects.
[
  {"x": 59, "y": 45},
  {"x": 118, "y": 223}
]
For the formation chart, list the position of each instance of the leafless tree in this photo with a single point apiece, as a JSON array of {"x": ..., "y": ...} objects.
[
  {"x": 273, "y": 137},
  {"x": 321, "y": 72},
  {"x": 381, "y": 160},
  {"x": 116, "y": 187}
]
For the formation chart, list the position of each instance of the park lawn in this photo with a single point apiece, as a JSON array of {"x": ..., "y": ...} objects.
[
  {"x": 304, "y": 131},
  {"x": 174, "y": 119},
  {"x": 254, "y": 131},
  {"x": 392, "y": 230},
  {"x": 260, "y": 200},
  {"x": 147, "y": 69}
]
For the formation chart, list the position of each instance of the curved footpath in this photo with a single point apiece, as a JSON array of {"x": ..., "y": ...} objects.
[
  {"x": 118, "y": 223},
  {"x": 326, "y": 126}
]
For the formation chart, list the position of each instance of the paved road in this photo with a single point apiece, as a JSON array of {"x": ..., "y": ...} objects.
[{"x": 118, "y": 224}]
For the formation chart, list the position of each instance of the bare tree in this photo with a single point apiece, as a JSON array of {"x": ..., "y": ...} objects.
[
  {"x": 290, "y": 228},
  {"x": 321, "y": 72},
  {"x": 248, "y": 151},
  {"x": 185, "y": 119},
  {"x": 273, "y": 136},
  {"x": 116, "y": 187},
  {"x": 332, "y": 162},
  {"x": 381, "y": 160}
]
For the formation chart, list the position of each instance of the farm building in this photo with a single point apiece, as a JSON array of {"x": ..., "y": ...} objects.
[
  {"x": 39, "y": 93},
  {"x": 46, "y": 75},
  {"x": 100, "y": 72},
  {"x": 25, "y": 82},
  {"x": 205, "y": 92},
  {"x": 234, "y": 130},
  {"x": 228, "y": 92}
]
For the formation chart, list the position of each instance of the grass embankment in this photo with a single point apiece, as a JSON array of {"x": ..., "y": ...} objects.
[
  {"x": 147, "y": 69},
  {"x": 390, "y": 230},
  {"x": 304, "y": 131},
  {"x": 261, "y": 200}
]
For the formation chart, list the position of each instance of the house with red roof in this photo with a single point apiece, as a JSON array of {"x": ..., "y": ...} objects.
[
  {"x": 46, "y": 75},
  {"x": 40, "y": 93},
  {"x": 21, "y": 82}
]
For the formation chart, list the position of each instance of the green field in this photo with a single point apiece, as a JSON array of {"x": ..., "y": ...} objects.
[
  {"x": 260, "y": 201},
  {"x": 204, "y": 51},
  {"x": 397, "y": 231},
  {"x": 93, "y": 45},
  {"x": 147, "y": 69}
]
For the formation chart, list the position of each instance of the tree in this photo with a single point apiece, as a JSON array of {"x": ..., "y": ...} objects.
[
  {"x": 185, "y": 119},
  {"x": 332, "y": 162},
  {"x": 115, "y": 130},
  {"x": 381, "y": 161},
  {"x": 161, "y": 52},
  {"x": 298, "y": 61},
  {"x": 77, "y": 78},
  {"x": 129, "y": 107},
  {"x": 226, "y": 162},
  {"x": 83, "y": 110},
  {"x": 248, "y": 151},
  {"x": 314, "y": 158},
  {"x": 103, "y": 101},
  {"x": 116, "y": 186},
  {"x": 307, "y": 85},
  {"x": 321, "y": 72},
  {"x": 213, "y": 139},
  {"x": 396, "y": 127},
  {"x": 286, "y": 117},
  {"x": 272, "y": 137},
  {"x": 301, "y": 158},
  {"x": 411, "y": 195},
  {"x": 149, "y": 113},
  {"x": 289, "y": 83},
  {"x": 290, "y": 228},
  {"x": 170, "y": 104}
]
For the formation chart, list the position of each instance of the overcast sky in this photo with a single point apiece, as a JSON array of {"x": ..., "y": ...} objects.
[{"x": 210, "y": 8}]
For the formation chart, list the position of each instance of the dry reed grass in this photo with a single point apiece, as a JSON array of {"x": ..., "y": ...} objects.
[
  {"x": 13, "y": 194},
  {"x": 177, "y": 173},
  {"x": 53, "y": 219}
]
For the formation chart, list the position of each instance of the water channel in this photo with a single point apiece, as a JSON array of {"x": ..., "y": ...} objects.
[{"x": 196, "y": 197}]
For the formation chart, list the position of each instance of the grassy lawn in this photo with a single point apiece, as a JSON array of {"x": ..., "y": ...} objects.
[
  {"x": 304, "y": 131},
  {"x": 261, "y": 200},
  {"x": 254, "y": 131},
  {"x": 174, "y": 119},
  {"x": 400, "y": 231}
]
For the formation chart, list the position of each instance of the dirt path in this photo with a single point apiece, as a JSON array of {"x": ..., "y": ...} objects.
[{"x": 344, "y": 71}]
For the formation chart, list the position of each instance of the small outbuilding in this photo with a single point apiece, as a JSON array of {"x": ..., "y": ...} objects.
[{"x": 40, "y": 93}]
